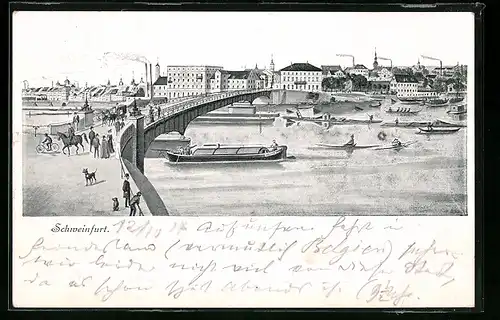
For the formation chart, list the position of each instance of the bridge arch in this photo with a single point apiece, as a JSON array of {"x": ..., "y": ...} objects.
[{"x": 177, "y": 118}]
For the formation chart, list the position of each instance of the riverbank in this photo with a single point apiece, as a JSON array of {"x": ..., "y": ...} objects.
[{"x": 54, "y": 185}]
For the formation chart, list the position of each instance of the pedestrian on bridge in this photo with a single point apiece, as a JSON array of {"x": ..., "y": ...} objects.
[
  {"x": 126, "y": 190},
  {"x": 134, "y": 205}
]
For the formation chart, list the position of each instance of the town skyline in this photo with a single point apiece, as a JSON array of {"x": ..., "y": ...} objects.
[{"x": 78, "y": 51}]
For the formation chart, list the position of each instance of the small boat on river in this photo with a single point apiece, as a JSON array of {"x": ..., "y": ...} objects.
[
  {"x": 228, "y": 153},
  {"x": 375, "y": 104},
  {"x": 395, "y": 147},
  {"x": 436, "y": 102},
  {"x": 456, "y": 99},
  {"x": 437, "y": 131},
  {"x": 410, "y": 100},
  {"x": 346, "y": 146},
  {"x": 416, "y": 124},
  {"x": 326, "y": 122},
  {"x": 403, "y": 110}
]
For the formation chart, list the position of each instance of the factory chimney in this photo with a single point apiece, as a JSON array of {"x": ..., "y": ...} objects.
[
  {"x": 151, "y": 78},
  {"x": 146, "y": 91}
]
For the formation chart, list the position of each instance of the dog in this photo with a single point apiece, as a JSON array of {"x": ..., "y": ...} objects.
[
  {"x": 116, "y": 204},
  {"x": 89, "y": 177}
]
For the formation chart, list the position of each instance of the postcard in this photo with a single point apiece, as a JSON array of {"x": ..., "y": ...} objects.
[{"x": 173, "y": 159}]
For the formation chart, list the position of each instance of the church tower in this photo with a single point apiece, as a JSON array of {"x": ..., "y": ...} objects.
[
  {"x": 375, "y": 62},
  {"x": 132, "y": 83},
  {"x": 271, "y": 66},
  {"x": 157, "y": 70},
  {"x": 121, "y": 81}
]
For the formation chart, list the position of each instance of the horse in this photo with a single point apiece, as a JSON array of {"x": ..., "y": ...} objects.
[{"x": 77, "y": 140}]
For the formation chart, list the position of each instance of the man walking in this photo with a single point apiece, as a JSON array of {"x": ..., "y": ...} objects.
[
  {"x": 126, "y": 190},
  {"x": 96, "y": 144},
  {"x": 134, "y": 205},
  {"x": 91, "y": 137}
]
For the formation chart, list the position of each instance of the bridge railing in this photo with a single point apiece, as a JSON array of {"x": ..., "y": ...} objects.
[{"x": 185, "y": 105}]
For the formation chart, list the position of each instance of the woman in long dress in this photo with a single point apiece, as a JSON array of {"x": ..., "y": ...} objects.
[
  {"x": 110, "y": 144},
  {"x": 104, "y": 148}
]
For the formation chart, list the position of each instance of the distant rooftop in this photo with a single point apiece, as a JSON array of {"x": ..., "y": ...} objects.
[
  {"x": 161, "y": 81},
  {"x": 407, "y": 78},
  {"x": 301, "y": 67}
]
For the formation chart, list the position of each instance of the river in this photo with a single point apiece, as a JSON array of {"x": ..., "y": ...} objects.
[{"x": 427, "y": 178}]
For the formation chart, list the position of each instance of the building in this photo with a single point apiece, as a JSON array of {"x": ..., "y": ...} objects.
[
  {"x": 301, "y": 76},
  {"x": 404, "y": 85},
  {"x": 184, "y": 81},
  {"x": 358, "y": 69},
  {"x": 407, "y": 86},
  {"x": 224, "y": 80},
  {"x": 333, "y": 71}
]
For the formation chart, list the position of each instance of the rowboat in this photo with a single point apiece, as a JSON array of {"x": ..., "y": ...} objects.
[
  {"x": 403, "y": 110},
  {"x": 417, "y": 124},
  {"x": 405, "y": 124},
  {"x": 437, "y": 131},
  {"x": 228, "y": 153},
  {"x": 446, "y": 123},
  {"x": 375, "y": 104},
  {"x": 334, "y": 121},
  {"x": 393, "y": 147},
  {"x": 345, "y": 147}
]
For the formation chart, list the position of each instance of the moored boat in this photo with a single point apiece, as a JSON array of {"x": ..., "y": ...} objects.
[
  {"x": 436, "y": 102},
  {"x": 437, "y": 131},
  {"x": 456, "y": 99},
  {"x": 410, "y": 100},
  {"x": 375, "y": 104},
  {"x": 229, "y": 153}
]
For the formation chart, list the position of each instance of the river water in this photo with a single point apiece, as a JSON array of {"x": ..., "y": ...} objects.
[{"x": 427, "y": 178}]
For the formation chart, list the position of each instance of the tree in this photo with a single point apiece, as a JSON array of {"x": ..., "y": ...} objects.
[
  {"x": 338, "y": 83},
  {"x": 328, "y": 84},
  {"x": 439, "y": 85},
  {"x": 425, "y": 82},
  {"x": 419, "y": 76},
  {"x": 359, "y": 82}
]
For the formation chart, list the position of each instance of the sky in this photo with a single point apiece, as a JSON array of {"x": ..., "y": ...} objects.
[{"x": 50, "y": 46}]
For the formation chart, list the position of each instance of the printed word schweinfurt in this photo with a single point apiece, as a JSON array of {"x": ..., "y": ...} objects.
[{"x": 84, "y": 229}]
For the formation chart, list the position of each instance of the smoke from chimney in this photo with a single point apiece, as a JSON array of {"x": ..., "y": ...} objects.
[
  {"x": 147, "y": 85},
  {"x": 151, "y": 78}
]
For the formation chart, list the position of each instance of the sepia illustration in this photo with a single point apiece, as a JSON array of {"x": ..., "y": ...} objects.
[{"x": 149, "y": 114}]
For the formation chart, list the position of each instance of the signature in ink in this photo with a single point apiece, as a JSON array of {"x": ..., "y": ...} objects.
[{"x": 374, "y": 290}]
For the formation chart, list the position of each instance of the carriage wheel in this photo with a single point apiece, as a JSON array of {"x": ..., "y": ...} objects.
[
  {"x": 40, "y": 149},
  {"x": 55, "y": 147}
]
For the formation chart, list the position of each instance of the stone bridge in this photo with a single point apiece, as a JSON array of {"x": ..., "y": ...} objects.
[
  {"x": 177, "y": 118},
  {"x": 136, "y": 137}
]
